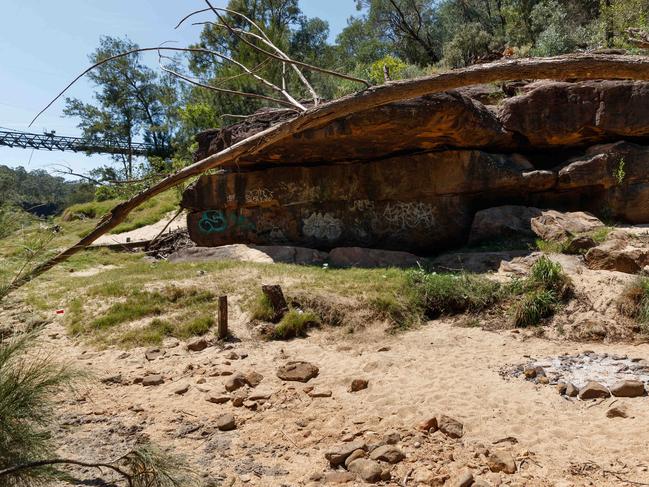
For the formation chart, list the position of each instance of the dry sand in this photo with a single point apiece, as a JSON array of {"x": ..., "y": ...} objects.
[{"x": 436, "y": 369}]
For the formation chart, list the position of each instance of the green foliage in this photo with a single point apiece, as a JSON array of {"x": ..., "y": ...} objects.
[
  {"x": 139, "y": 304},
  {"x": 619, "y": 174},
  {"x": 262, "y": 308},
  {"x": 28, "y": 381},
  {"x": 158, "y": 329},
  {"x": 395, "y": 68},
  {"x": 544, "y": 289},
  {"x": 40, "y": 193},
  {"x": 295, "y": 323},
  {"x": 445, "y": 294}
]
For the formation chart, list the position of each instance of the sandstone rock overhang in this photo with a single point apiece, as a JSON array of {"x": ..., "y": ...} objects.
[{"x": 411, "y": 175}]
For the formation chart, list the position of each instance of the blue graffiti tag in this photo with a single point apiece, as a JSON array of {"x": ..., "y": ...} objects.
[{"x": 216, "y": 221}]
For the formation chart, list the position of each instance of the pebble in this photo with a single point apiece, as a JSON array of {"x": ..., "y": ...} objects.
[
  {"x": 628, "y": 388},
  {"x": 218, "y": 399},
  {"x": 368, "y": 470},
  {"x": 152, "y": 380},
  {"x": 226, "y": 422},
  {"x": 501, "y": 461},
  {"x": 593, "y": 390},
  {"x": 298, "y": 371},
  {"x": 197, "y": 345},
  {"x": 337, "y": 455},
  {"x": 387, "y": 453},
  {"x": 450, "y": 427},
  {"x": 253, "y": 379},
  {"x": 617, "y": 412},
  {"x": 358, "y": 385},
  {"x": 429, "y": 424},
  {"x": 234, "y": 382},
  {"x": 181, "y": 389}
]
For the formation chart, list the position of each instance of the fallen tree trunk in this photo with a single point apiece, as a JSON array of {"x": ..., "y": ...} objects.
[{"x": 583, "y": 66}]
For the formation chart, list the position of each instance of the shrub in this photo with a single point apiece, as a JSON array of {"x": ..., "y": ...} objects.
[{"x": 535, "y": 306}]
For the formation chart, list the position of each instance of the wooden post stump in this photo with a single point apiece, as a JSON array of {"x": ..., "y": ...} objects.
[
  {"x": 223, "y": 318},
  {"x": 278, "y": 302}
]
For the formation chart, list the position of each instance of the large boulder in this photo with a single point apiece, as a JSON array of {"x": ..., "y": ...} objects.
[
  {"x": 425, "y": 123},
  {"x": 619, "y": 253},
  {"x": 502, "y": 223},
  {"x": 562, "y": 114},
  {"x": 556, "y": 226}
]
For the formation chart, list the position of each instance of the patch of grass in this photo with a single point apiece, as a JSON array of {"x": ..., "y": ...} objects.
[
  {"x": 295, "y": 323},
  {"x": 195, "y": 327},
  {"x": 159, "y": 329},
  {"x": 551, "y": 246},
  {"x": 262, "y": 308},
  {"x": 601, "y": 234},
  {"x": 146, "y": 214},
  {"x": 446, "y": 294},
  {"x": 139, "y": 304},
  {"x": 546, "y": 287},
  {"x": 535, "y": 306},
  {"x": 634, "y": 302}
]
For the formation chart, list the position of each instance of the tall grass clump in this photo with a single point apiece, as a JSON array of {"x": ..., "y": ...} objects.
[
  {"x": 634, "y": 302},
  {"x": 546, "y": 287},
  {"x": 295, "y": 323},
  {"x": 28, "y": 381},
  {"x": 447, "y": 294}
]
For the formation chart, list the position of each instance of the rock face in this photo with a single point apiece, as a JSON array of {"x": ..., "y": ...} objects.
[{"x": 416, "y": 176}]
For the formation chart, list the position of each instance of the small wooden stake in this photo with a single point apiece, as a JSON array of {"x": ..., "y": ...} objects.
[{"x": 223, "y": 317}]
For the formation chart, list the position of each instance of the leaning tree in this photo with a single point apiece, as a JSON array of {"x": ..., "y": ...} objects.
[{"x": 317, "y": 113}]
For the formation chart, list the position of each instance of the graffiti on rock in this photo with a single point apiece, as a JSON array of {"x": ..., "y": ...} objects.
[
  {"x": 323, "y": 226},
  {"x": 259, "y": 195},
  {"x": 217, "y": 221},
  {"x": 409, "y": 215}
]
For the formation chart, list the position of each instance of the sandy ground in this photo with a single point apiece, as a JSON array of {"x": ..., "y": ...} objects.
[
  {"x": 146, "y": 233},
  {"x": 436, "y": 369}
]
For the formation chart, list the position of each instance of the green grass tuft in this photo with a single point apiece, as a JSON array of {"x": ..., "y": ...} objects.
[
  {"x": 634, "y": 302},
  {"x": 295, "y": 323},
  {"x": 535, "y": 306},
  {"x": 262, "y": 308}
]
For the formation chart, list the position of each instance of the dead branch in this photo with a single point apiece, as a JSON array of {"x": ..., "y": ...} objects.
[
  {"x": 581, "y": 66},
  {"x": 275, "y": 56},
  {"x": 62, "y": 461},
  {"x": 269, "y": 43}
]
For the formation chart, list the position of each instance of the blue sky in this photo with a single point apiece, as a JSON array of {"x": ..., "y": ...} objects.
[{"x": 45, "y": 43}]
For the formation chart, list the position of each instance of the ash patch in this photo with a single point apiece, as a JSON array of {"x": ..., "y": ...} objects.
[{"x": 580, "y": 369}]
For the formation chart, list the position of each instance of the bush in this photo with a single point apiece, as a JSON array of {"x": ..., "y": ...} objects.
[{"x": 535, "y": 306}]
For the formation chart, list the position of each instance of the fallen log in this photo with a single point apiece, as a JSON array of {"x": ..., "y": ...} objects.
[{"x": 581, "y": 66}]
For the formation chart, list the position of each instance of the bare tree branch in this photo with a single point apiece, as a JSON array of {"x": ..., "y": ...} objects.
[
  {"x": 582, "y": 66},
  {"x": 62, "y": 461},
  {"x": 638, "y": 37}
]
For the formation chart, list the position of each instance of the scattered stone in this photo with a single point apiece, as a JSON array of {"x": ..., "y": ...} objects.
[
  {"x": 358, "y": 385},
  {"x": 368, "y": 470},
  {"x": 617, "y": 412},
  {"x": 197, "y": 345},
  {"x": 232, "y": 356},
  {"x": 152, "y": 380},
  {"x": 252, "y": 405},
  {"x": 580, "y": 244},
  {"x": 384, "y": 349},
  {"x": 339, "y": 454},
  {"x": 561, "y": 388},
  {"x": 450, "y": 427},
  {"x": 112, "y": 379},
  {"x": 260, "y": 396},
  {"x": 501, "y": 461},
  {"x": 298, "y": 371},
  {"x": 464, "y": 479},
  {"x": 315, "y": 394},
  {"x": 181, "y": 389},
  {"x": 387, "y": 453},
  {"x": 235, "y": 382},
  {"x": 356, "y": 454},
  {"x": 218, "y": 399},
  {"x": 385, "y": 474},
  {"x": 429, "y": 424},
  {"x": 392, "y": 438},
  {"x": 253, "y": 379},
  {"x": 338, "y": 477},
  {"x": 226, "y": 422},
  {"x": 153, "y": 353},
  {"x": 239, "y": 398},
  {"x": 571, "y": 390},
  {"x": 628, "y": 388},
  {"x": 593, "y": 390},
  {"x": 543, "y": 380}
]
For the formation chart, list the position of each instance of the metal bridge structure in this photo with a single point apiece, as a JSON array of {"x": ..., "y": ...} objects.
[{"x": 52, "y": 142}]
